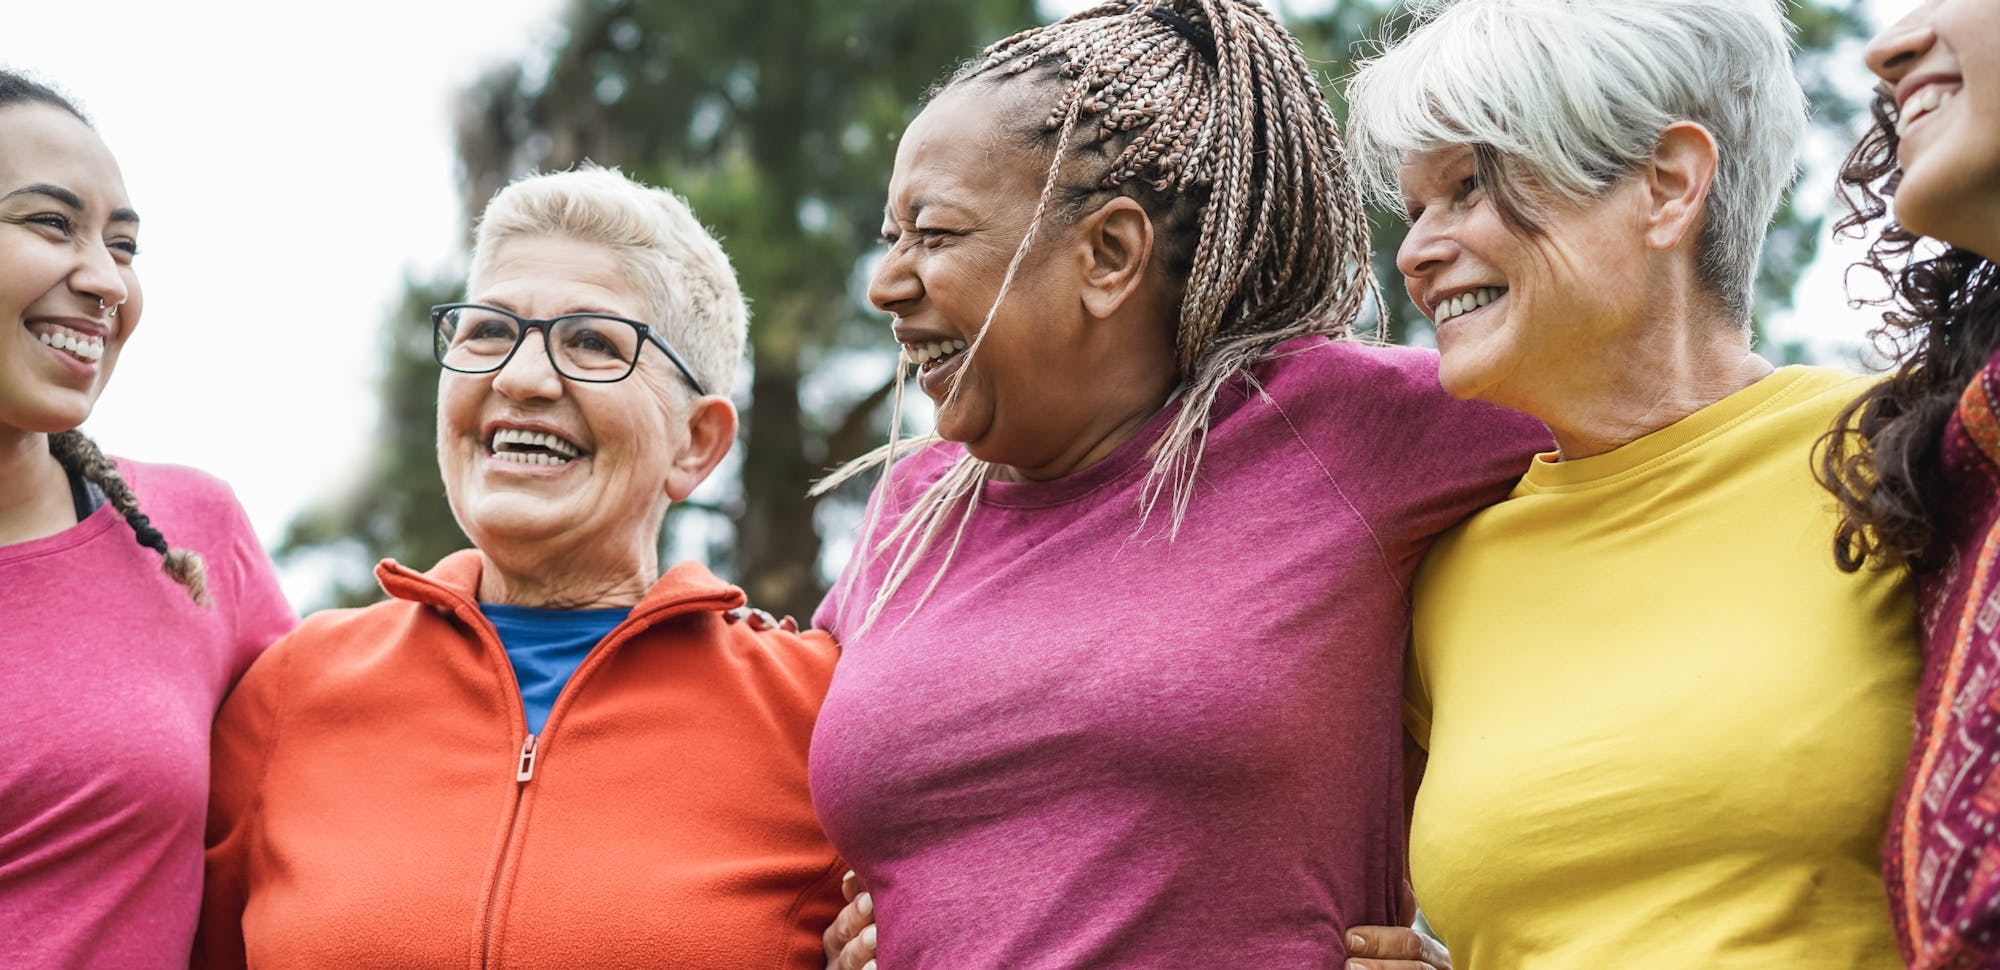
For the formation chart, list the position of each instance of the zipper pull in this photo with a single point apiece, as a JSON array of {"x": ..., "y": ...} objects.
[{"x": 527, "y": 768}]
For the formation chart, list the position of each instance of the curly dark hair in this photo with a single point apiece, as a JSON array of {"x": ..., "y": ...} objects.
[{"x": 1941, "y": 321}]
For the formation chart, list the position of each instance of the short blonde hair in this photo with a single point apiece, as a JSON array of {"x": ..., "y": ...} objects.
[
  {"x": 691, "y": 291},
  {"x": 1573, "y": 96}
]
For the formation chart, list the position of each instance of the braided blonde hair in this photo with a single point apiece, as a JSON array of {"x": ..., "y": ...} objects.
[
  {"x": 81, "y": 457},
  {"x": 1216, "y": 125}
]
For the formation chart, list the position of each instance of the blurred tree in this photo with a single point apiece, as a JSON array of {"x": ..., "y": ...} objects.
[{"x": 778, "y": 119}]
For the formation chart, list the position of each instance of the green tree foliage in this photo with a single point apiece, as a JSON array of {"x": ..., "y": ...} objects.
[{"x": 778, "y": 120}]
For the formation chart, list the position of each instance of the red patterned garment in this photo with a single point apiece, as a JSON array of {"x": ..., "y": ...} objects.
[{"x": 1942, "y": 857}]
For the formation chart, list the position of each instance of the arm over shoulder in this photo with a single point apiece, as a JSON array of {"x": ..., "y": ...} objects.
[{"x": 1412, "y": 460}]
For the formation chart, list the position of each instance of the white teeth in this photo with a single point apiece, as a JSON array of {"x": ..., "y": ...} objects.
[
  {"x": 520, "y": 437},
  {"x": 1467, "y": 302},
  {"x": 84, "y": 347},
  {"x": 921, "y": 354},
  {"x": 529, "y": 458},
  {"x": 1922, "y": 103}
]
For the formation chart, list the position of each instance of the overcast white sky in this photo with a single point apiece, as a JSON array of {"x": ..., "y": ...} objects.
[{"x": 292, "y": 164}]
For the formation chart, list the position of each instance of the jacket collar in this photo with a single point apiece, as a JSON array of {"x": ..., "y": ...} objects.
[{"x": 453, "y": 585}]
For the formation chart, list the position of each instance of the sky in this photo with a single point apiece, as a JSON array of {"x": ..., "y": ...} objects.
[{"x": 293, "y": 164}]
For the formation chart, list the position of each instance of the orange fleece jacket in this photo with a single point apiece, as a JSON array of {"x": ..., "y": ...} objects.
[{"x": 377, "y": 802}]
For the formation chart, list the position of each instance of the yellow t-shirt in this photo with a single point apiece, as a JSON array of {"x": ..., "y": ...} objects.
[{"x": 1663, "y": 729}]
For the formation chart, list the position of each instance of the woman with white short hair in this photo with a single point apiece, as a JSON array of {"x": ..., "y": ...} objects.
[{"x": 1663, "y": 729}]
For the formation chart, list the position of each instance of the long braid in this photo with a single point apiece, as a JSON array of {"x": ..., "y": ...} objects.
[
  {"x": 1216, "y": 124},
  {"x": 81, "y": 457}
]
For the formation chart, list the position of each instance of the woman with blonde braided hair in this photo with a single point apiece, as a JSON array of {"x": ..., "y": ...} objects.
[
  {"x": 113, "y": 671},
  {"x": 1123, "y": 641}
]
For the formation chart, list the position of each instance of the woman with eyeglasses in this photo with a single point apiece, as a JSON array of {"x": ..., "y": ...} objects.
[
  {"x": 131, "y": 595},
  {"x": 546, "y": 751}
]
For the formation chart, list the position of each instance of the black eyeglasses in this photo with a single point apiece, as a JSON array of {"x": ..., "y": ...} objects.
[{"x": 593, "y": 347}]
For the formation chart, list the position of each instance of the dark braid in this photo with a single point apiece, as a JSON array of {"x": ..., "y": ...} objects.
[{"x": 81, "y": 458}]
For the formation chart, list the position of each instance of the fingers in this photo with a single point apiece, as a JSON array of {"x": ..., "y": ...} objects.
[
  {"x": 850, "y": 942},
  {"x": 1394, "y": 948},
  {"x": 859, "y": 954},
  {"x": 759, "y": 620}
]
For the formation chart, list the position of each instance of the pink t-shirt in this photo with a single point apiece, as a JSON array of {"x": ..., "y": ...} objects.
[
  {"x": 1095, "y": 747},
  {"x": 109, "y": 682}
]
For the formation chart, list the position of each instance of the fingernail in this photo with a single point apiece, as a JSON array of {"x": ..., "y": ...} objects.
[
  {"x": 868, "y": 937},
  {"x": 849, "y": 875},
  {"x": 870, "y": 965},
  {"x": 1355, "y": 942},
  {"x": 866, "y": 904}
]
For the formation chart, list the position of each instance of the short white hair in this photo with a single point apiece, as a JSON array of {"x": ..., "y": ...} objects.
[
  {"x": 1574, "y": 94},
  {"x": 692, "y": 295}
]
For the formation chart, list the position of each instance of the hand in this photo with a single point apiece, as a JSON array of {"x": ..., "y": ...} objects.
[
  {"x": 1394, "y": 948},
  {"x": 759, "y": 620},
  {"x": 850, "y": 941}
]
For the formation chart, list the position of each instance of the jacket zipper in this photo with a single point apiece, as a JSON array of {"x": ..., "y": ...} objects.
[
  {"x": 524, "y": 772},
  {"x": 524, "y": 764}
]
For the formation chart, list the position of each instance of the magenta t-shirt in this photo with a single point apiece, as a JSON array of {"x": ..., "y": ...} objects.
[
  {"x": 109, "y": 682},
  {"x": 1095, "y": 747}
]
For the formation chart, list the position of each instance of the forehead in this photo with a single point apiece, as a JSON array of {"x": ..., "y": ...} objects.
[
  {"x": 965, "y": 149},
  {"x": 1421, "y": 170},
  {"x": 546, "y": 276},
  {"x": 41, "y": 143}
]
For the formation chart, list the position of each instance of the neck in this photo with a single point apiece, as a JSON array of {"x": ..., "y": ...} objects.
[
  {"x": 555, "y": 576},
  {"x": 1671, "y": 370},
  {"x": 34, "y": 489},
  {"x": 1099, "y": 439}
]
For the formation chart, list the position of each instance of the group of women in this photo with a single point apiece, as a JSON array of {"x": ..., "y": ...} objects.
[{"x": 1121, "y": 677}]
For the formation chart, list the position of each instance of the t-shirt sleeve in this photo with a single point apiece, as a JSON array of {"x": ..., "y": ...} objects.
[
  {"x": 261, "y": 613},
  {"x": 1412, "y": 460}
]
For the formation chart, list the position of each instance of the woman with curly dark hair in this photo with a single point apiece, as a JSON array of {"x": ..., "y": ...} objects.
[{"x": 1917, "y": 465}]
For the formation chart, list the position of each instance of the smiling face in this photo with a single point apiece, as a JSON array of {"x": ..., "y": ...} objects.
[
  {"x": 1052, "y": 372},
  {"x": 1943, "y": 63},
  {"x": 67, "y": 239},
  {"x": 1519, "y": 314},
  {"x": 532, "y": 460}
]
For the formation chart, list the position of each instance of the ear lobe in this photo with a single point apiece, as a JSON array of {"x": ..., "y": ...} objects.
[
  {"x": 711, "y": 430},
  {"x": 1677, "y": 182},
  {"x": 1117, "y": 243}
]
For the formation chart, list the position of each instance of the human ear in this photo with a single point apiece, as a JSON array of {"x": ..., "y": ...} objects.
[
  {"x": 711, "y": 429},
  {"x": 1677, "y": 181},
  {"x": 1116, "y": 245}
]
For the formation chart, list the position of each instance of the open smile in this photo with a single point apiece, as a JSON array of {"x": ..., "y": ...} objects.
[
  {"x": 1922, "y": 103},
  {"x": 78, "y": 345},
  {"x": 1470, "y": 301},
  {"x": 526, "y": 447},
  {"x": 934, "y": 354}
]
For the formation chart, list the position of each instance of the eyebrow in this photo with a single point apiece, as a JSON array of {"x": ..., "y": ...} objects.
[{"x": 68, "y": 198}]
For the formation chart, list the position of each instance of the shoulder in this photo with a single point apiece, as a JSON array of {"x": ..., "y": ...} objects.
[
  {"x": 1348, "y": 389},
  {"x": 1317, "y": 362},
  {"x": 176, "y": 488},
  {"x": 333, "y": 638},
  {"x": 911, "y": 474}
]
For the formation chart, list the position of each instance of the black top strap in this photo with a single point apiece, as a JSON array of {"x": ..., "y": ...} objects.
[{"x": 1186, "y": 28}]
